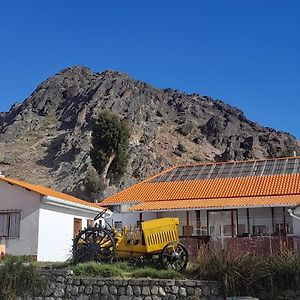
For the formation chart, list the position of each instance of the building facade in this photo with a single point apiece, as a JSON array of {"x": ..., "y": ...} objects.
[
  {"x": 40, "y": 222},
  {"x": 228, "y": 202}
]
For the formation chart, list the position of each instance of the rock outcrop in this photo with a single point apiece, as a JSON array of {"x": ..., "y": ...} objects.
[{"x": 46, "y": 139}]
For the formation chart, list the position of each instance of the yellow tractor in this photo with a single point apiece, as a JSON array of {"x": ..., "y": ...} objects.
[{"x": 154, "y": 237}]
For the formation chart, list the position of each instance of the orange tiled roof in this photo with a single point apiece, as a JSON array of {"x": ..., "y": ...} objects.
[
  {"x": 290, "y": 200},
  {"x": 47, "y": 191},
  {"x": 244, "y": 183},
  {"x": 272, "y": 185}
]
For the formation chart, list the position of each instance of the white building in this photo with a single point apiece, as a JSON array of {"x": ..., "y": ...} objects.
[{"x": 39, "y": 221}]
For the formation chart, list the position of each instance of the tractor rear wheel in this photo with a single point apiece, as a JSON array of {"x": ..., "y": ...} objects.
[
  {"x": 94, "y": 244},
  {"x": 174, "y": 256}
]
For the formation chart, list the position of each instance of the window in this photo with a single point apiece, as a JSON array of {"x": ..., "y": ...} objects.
[{"x": 10, "y": 224}]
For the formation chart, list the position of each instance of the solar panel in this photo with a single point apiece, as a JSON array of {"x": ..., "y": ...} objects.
[{"x": 231, "y": 169}]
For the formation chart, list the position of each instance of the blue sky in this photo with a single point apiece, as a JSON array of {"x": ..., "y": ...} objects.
[{"x": 246, "y": 53}]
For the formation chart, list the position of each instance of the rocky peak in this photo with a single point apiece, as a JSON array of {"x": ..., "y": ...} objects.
[{"x": 46, "y": 139}]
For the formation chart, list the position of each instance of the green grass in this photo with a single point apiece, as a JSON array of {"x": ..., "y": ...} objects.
[
  {"x": 100, "y": 269},
  {"x": 53, "y": 265},
  {"x": 149, "y": 272},
  {"x": 123, "y": 270}
]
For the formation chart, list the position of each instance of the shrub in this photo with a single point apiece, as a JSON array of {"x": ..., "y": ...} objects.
[
  {"x": 234, "y": 272},
  {"x": 285, "y": 270},
  {"x": 18, "y": 277},
  {"x": 93, "y": 182},
  {"x": 248, "y": 274}
]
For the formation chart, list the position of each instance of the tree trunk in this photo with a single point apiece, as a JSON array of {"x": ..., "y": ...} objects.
[{"x": 104, "y": 173}]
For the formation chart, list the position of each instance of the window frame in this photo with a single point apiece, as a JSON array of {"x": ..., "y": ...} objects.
[{"x": 9, "y": 229}]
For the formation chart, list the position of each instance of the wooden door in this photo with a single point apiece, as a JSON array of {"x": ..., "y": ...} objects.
[{"x": 77, "y": 226}]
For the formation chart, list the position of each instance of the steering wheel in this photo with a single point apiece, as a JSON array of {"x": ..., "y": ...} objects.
[{"x": 100, "y": 214}]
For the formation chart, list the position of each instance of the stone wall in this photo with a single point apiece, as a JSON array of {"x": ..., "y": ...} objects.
[{"x": 65, "y": 285}]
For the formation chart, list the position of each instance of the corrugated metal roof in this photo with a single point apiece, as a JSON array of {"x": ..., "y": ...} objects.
[{"x": 47, "y": 191}]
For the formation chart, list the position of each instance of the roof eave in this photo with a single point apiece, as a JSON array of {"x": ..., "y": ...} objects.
[
  {"x": 68, "y": 204},
  {"x": 119, "y": 203},
  {"x": 212, "y": 208}
]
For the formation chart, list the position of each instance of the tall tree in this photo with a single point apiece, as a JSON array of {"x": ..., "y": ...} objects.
[{"x": 110, "y": 141}]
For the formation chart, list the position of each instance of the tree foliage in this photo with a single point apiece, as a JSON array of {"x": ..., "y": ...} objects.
[{"x": 110, "y": 141}]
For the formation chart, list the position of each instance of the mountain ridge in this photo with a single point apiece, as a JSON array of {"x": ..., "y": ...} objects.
[{"x": 46, "y": 138}]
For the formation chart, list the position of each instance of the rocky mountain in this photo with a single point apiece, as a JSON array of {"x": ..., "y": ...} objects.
[{"x": 46, "y": 139}]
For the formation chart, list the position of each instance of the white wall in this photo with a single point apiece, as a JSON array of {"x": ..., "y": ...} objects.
[
  {"x": 14, "y": 197},
  {"x": 56, "y": 228},
  {"x": 182, "y": 218},
  {"x": 130, "y": 219}
]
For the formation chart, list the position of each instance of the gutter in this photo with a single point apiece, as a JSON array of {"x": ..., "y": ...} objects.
[{"x": 77, "y": 206}]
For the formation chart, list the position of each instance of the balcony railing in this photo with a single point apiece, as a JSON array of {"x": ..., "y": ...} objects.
[{"x": 255, "y": 226}]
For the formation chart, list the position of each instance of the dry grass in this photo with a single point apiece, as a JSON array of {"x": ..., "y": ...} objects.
[{"x": 248, "y": 274}]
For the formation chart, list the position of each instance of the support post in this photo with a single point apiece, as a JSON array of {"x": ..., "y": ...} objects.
[
  {"x": 207, "y": 222},
  {"x": 141, "y": 219},
  {"x": 232, "y": 224},
  {"x": 273, "y": 220},
  {"x": 237, "y": 222},
  {"x": 284, "y": 222},
  {"x": 198, "y": 222},
  {"x": 188, "y": 223},
  {"x": 248, "y": 221}
]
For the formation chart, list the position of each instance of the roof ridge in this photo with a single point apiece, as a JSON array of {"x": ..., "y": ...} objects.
[{"x": 235, "y": 161}]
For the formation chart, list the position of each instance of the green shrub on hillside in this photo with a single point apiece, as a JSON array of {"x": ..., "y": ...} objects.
[
  {"x": 93, "y": 182},
  {"x": 110, "y": 141}
]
